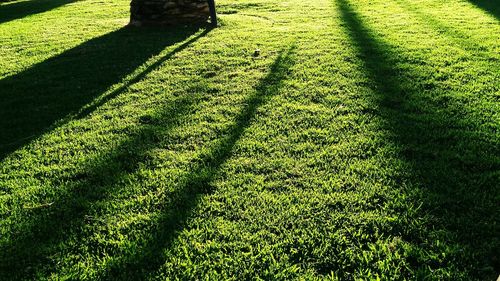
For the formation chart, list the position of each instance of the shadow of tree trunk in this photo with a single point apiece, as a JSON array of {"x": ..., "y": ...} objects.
[
  {"x": 148, "y": 258},
  {"x": 489, "y": 6},
  {"x": 35, "y": 100},
  {"x": 21, "y": 9},
  {"x": 33, "y": 240},
  {"x": 455, "y": 161}
]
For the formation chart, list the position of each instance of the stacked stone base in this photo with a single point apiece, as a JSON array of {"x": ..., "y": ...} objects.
[{"x": 168, "y": 12}]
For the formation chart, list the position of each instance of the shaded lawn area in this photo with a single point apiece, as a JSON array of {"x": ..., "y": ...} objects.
[
  {"x": 362, "y": 143},
  {"x": 11, "y": 10},
  {"x": 72, "y": 83},
  {"x": 490, "y": 7}
]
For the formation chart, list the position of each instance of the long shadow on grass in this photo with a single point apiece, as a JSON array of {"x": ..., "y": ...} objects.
[
  {"x": 453, "y": 34},
  {"x": 492, "y": 7},
  {"x": 35, "y": 238},
  {"x": 40, "y": 234},
  {"x": 17, "y": 10},
  {"x": 146, "y": 259},
  {"x": 455, "y": 163},
  {"x": 34, "y": 100}
]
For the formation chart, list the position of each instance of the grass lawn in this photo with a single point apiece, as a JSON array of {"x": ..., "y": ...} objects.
[{"x": 362, "y": 143}]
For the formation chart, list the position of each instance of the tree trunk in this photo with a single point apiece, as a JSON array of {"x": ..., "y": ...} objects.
[{"x": 168, "y": 12}]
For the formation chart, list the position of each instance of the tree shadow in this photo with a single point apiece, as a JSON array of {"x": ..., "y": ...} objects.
[
  {"x": 454, "y": 160},
  {"x": 490, "y": 6},
  {"x": 18, "y": 10},
  {"x": 149, "y": 257},
  {"x": 456, "y": 36},
  {"x": 37, "y": 236},
  {"x": 32, "y": 241},
  {"x": 33, "y": 101}
]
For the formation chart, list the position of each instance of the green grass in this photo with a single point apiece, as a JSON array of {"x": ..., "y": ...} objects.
[{"x": 362, "y": 143}]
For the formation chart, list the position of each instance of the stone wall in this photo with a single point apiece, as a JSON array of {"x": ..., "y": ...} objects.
[{"x": 168, "y": 12}]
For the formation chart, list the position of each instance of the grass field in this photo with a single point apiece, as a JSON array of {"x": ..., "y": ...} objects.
[{"x": 362, "y": 143}]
